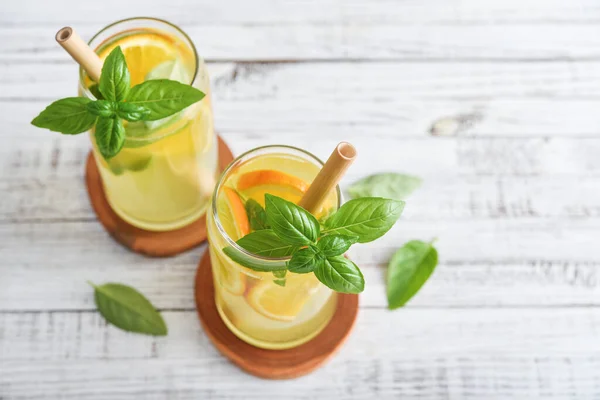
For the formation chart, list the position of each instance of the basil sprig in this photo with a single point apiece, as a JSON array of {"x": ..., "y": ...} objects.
[
  {"x": 116, "y": 101},
  {"x": 290, "y": 231}
]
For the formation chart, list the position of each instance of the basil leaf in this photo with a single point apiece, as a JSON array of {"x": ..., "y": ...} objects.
[
  {"x": 128, "y": 309},
  {"x": 114, "y": 79},
  {"x": 96, "y": 92},
  {"x": 266, "y": 243},
  {"x": 290, "y": 222},
  {"x": 249, "y": 262},
  {"x": 335, "y": 245},
  {"x": 69, "y": 116},
  {"x": 256, "y": 215},
  {"x": 110, "y": 136},
  {"x": 408, "y": 270},
  {"x": 340, "y": 274},
  {"x": 280, "y": 275},
  {"x": 389, "y": 185},
  {"x": 132, "y": 112},
  {"x": 305, "y": 260},
  {"x": 163, "y": 97},
  {"x": 368, "y": 218},
  {"x": 102, "y": 108}
]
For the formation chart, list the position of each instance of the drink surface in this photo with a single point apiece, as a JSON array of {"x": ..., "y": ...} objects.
[
  {"x": 163, "y": 177},
  {"x": 251, "y": 303}
]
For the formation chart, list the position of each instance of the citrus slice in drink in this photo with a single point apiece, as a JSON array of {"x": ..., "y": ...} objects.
[
  {"x": 143, "y": 52},
  {"x": 281, "y": 303},
  {"x": 270, "y": 177},
  {"x": 231, "y": 279},
  {"x": 232, "y": 214}
]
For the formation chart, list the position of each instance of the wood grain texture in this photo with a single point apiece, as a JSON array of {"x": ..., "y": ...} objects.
[{"x": 493, "y": 103}]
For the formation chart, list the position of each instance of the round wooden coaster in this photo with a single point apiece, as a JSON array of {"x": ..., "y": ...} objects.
[
  {"x": 271, "y": 364},
  {"x": 156, "y": 244}
]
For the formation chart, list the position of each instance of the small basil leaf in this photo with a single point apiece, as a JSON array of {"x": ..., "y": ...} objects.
[
  {"x": 280, "y": 275},
  {"x": 291, "y": 223},
  {"x": 256, "y": 215},
  {"x": 368, "y": 218},
  {"x": 96, "y": 92},
  {"x": 305, "y": 260},
  {"x": 408, "y": 270},
  {"x": 102, "y": 108},
  {"x": 335, "y": 245},
  {"x": 115, "y": 79},
  {"x": 128, "y": 309},
  {"x": 69, "y": 116},
  {"x": 340, "y": 274},
  {"x": 389, "y": 185},
  {"x": 163, "y": 97},
  {"x": 132, "y": 112},
  {"x": 266, "y": 243},
  {"x": 252, "y": 263},
  {"x": 110, "y": 136}
]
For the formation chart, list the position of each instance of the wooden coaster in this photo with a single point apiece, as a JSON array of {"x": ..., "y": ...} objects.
[
  {"x": 156, "y": 244},
  {"x": 271, "y": 364}
]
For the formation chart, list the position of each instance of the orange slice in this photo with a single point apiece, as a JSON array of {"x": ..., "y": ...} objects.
[
  {"x": 270, "y": 177},
  {"x": 281, "y": 303},
  {"x": 237, "y": 211}
]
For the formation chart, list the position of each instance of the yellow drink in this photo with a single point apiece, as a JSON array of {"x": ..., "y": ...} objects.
[
  {"x": 163, "y": 177},
  {"x": 252, "y": 304}
]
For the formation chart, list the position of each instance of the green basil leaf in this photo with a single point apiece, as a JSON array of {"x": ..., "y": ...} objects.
[
  {"x": 96, "y": 92},
  {"x": 335, "y": 245},
  {"x": 389, "y": 185},
  {"x": 340, "y": 274},
  {"x": 368, "y": 218},
  {"x": 305, "y": 260},
  {"x": 292, "y": 223},
  {"x": 132, "y": 112},
  {"x": 115, "y": 79},
  {"x": 110, "y": 136},
  {"x": 280, "y": 275},
  {"x": 266, "y": 243},
  {"x": 69, "y": 116},
  {"x": 128, "y": 309},
  {"x": 252, "y": 263},
  {"x": 410, "y": 267},
  {"x": 163, "y": 97},
  {"x": 256, "y": 215},
  {"x": 102, "y": 108}
]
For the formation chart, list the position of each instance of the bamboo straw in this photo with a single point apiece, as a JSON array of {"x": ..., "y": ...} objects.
[
  {"x": 80, "y": 51},
  {"x": 329, "y": 176}
]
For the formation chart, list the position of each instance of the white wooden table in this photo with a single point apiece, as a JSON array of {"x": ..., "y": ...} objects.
[{"x": 511, "y": 190}]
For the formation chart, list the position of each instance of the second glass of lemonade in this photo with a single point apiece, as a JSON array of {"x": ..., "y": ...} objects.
[
  {"x": 163, "y": 177},
  {"x": 260, "y": 308}
]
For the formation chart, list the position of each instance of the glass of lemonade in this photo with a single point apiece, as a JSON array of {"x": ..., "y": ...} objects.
[
  {"x": 163, "y": 177},
  {"x": 257, "y": 306}
]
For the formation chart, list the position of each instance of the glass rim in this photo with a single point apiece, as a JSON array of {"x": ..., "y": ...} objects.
[
  {"x": 86, "y": 92},
  {"x": 213, "y": 206}
]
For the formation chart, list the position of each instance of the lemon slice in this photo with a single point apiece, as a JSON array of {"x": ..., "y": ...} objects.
[
  {"x": 282, "y": 303},
  {"x": 231, "y": 279}
]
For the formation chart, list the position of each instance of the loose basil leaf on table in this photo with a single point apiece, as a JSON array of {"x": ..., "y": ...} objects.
[
  {"x": 290, "y": 222},
  {"x": 408, "y": 270},
  {"x": 389, "y": 185},
  {"x": 266, "y": 243},
  {"x": 115, "y": 79},
  {"x": 340, "y": 274},
  {"x": 335, "y": 245},
  {"x": 163, "y": 97},
  {"x": 126, "y": 308},
  {"x": 69, "y": 116},
  {"x": 366, "y": 218},
  {"x": 110, "y": 136}
]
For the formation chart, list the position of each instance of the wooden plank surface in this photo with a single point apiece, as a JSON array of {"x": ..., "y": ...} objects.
[{"x": 494, "y": 104}]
